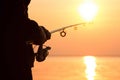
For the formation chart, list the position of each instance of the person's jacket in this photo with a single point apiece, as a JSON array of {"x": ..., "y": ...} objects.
[{"x": 17, "y": 30}]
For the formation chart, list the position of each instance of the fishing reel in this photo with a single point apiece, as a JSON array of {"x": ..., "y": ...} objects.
[{"x": 42, "y": 53}]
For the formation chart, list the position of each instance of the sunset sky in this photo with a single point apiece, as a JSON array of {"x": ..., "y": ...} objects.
[{"x": 100, "y": 38}]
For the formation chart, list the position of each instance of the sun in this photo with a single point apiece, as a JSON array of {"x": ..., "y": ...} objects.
[{"x": 88, "y": 10}]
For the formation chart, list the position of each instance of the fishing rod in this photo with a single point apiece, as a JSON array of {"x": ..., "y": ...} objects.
[
  {"x": 63, "y": 33},
  {"x": 43, "y": 52}
]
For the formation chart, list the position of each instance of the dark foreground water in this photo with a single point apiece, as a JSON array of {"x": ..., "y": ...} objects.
[{"x": 77, "y": 68}]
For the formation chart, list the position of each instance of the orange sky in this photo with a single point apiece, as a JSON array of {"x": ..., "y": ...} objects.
[{"x": 100, "y": 38}]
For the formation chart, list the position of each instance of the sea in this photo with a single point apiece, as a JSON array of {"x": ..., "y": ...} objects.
[{"x": 77, "y": 68}]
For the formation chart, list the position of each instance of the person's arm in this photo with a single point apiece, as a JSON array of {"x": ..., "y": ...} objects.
[{"x": 38, "y": 34}]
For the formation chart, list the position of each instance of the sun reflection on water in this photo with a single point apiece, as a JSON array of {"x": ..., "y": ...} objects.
[{"x": 90, "y": 62}]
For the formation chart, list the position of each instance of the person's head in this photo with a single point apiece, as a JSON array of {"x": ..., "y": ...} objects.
[{"x": 27, "y": 2}]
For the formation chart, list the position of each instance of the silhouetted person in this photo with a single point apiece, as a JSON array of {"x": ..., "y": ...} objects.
[{"x": 18, "y": 31}]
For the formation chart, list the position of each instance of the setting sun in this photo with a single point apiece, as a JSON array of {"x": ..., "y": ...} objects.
[{"x": 88, "y": 10}]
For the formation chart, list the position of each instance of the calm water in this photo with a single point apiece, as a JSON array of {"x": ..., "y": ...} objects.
[{"x": 78, "y": 68}]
